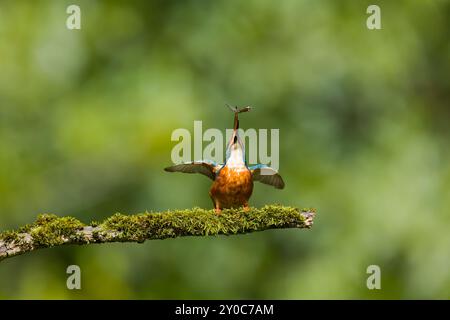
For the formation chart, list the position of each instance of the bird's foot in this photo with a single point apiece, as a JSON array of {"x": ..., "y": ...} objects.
[
  {"x": 217, "y": 210},
  {"x": 246, "y": 208}
]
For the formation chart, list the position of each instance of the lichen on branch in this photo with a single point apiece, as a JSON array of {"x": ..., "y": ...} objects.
[{"x": 50, "y": 230}]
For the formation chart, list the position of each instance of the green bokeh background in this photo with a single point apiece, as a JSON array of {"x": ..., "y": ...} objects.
[{"x": 86, "y": 118}]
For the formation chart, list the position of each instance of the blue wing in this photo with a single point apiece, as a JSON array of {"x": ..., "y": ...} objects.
[
  {"x": 206, "y": 167},
  {"x": 267, "y": 175}
]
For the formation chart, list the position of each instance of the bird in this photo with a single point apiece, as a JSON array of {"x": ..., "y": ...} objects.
[{"x": 233, "y": 180}]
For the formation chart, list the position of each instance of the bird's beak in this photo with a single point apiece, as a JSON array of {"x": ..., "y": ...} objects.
[{"x": 234, "y": 139}]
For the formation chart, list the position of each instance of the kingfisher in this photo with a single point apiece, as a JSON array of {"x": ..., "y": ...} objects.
[{"x": 232, "y": 181}]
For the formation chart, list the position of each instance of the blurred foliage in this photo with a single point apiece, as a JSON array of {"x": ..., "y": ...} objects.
[{"x": 86, "y": 118}]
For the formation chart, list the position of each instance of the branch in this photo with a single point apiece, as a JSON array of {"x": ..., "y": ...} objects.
[{"x": 49, "y": 230}]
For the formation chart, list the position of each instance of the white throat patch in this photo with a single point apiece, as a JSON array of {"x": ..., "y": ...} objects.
[{"x": 236, "y": 160}]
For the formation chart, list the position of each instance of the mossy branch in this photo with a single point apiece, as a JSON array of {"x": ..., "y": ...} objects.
[{"x": 49, "y": 230}]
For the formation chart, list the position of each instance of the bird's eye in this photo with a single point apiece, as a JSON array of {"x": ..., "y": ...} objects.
[{"x": 235, "y": 139}]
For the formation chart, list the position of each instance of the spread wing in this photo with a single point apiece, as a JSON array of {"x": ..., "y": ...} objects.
[
  {"x": 205, "y": 167},
  {"x": 267, "y": 175}
]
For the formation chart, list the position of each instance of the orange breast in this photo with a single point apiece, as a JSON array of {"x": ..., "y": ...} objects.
[{"x": 232, "y": 188}]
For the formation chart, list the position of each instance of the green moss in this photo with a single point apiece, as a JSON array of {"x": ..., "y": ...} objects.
[
  {"x": 9, "y": 236},
  {"x": 94, "y": 223},
  {"x": 199, "y": 222},
  {"x": 49, "y": 230}
]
